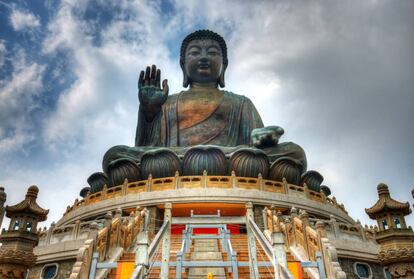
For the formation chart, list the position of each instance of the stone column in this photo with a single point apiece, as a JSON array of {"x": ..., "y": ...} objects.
[
  {"x": 254, "y": 270},
  {"x": 166, "y": 242}
]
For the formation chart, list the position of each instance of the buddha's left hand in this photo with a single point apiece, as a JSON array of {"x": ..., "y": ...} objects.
[{"x": 267, "y": 136}]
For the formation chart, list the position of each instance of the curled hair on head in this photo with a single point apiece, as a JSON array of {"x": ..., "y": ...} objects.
[{"x": 204, "y": 34}]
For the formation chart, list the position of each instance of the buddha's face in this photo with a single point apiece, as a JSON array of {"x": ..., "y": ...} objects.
[{"x": 203, "y": 61}]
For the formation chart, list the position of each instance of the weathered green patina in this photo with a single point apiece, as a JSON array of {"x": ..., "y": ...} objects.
[{"x": 203, "y": 114}]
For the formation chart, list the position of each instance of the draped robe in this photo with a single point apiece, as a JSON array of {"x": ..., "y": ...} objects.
[{"x": 228, "y": 123}]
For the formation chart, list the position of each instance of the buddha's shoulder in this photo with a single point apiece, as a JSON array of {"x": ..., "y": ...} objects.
[{"x": 230, "y": 96}]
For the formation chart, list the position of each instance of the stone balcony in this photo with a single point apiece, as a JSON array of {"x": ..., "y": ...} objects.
[{"x": 204, "y": 188}]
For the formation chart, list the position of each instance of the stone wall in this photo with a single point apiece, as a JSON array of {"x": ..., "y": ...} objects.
[
  {"x": 64, "y": 270},
  {"x": 348, "y": 266}
]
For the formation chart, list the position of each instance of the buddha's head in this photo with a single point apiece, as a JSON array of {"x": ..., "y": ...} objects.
[{"x": 203, "y": 58}]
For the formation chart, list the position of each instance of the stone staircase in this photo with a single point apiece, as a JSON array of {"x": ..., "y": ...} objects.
[{"x": 205, "y": 250}]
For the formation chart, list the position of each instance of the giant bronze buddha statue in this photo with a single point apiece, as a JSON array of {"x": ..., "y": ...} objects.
[{"x": 203, "y": 127}]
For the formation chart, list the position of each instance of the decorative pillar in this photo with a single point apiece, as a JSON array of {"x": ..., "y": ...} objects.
[
  {"x": 395, "y": 239},
  {"x": 166, "y": 242},
  {"x": 254, "y": 270},
  {"x": 16, "y": 252}
]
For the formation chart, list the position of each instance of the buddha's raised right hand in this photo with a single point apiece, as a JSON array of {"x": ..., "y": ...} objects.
[{"x": 151, "y": 96}]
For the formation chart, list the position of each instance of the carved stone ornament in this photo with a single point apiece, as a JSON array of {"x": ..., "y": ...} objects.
[
  {"x": 160, "y": 163},
  {"x": 285, "y": 168},
  {"x": 200, "y": 158},
  {"x": 84, "y": 192},
  {"x": 122, "y": 169},
  {"x": 313, "y": 180},
  {"x": 249, "y": 162},
  {"x": 392, "y": 255},
  {"x": 97, "y": 180},
  {"x": 402, "y": 270}
]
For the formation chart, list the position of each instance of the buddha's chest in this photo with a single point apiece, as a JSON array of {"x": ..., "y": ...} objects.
[{"x": 197, "y": 108}]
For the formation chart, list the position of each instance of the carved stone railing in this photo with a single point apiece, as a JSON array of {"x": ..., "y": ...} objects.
[
  {"x": 205, "y": 181},
  {"x": 118, "y": 232},
  {"x": 298, "y": 232},
  {"x": 76, "y": 231}
]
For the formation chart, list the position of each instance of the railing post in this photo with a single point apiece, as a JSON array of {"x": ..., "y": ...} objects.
[
  {"x": 204, "y": 179},
  {"x": 361, "y": 230},
  {"x": 94, "y": 264},
  {"x": 50, "y": 233},
  {"x": 234, "y": 265},
  {"x": 166, "y": 242},
  {"x": 293, "y": 214},
  {"x": 261, "y": 183},
  {"x": 179, "y": 266},
  {"x": 226, "y": 246},
  {"x": 264, "y": 216},
  {"x": 149, "y": 183},
  {"x": 176, "y": 180},
  {"x": 118, "y": 214},
  {"x": 254, "y": 270},
  {"x": 141, "y": 253},
  {"x": 187, "y": 237},
  {"x": 304, "y": 217},
  {"x": 335, "y": 226},
  {"x": 321, "y": 267},
  {"x": 233, "y": 179},
  {"x": 278, "y": 252},
  {"x": 108, "y": 225}
]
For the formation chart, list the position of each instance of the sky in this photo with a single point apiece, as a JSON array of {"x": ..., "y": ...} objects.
[{"x": 338, "y": 76}]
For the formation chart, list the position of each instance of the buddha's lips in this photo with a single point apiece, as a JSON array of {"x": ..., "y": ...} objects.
[{"x": 204, "y": 66}]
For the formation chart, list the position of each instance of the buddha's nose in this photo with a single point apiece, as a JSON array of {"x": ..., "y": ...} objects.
[{"x": 203, "y": 59}]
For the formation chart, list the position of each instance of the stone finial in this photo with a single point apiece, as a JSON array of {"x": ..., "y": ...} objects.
[
  {"x": 320, "y": 224},
  {"x": 383, "y": 191},
  {"x": 304, "y": 216},
  {"x": 249, "y": 205},
  {"x": 118, "y": 212},
  {"x": 293, "y": 211},
  {"x": 93, "y": 226},
  {"x": 108, "y": 215}
]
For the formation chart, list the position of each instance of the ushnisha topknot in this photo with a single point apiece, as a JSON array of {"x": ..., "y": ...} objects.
[{"x": 200, "y": 35}]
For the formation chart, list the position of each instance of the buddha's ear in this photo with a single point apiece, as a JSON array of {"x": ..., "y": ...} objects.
[
  {"x": 186, "y": 81},
  {"x": 221, "y": 77}
]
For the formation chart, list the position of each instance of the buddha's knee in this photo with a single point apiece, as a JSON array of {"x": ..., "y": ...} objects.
[
  {"x": 288, "y": 149},
  {"x": 115, "y": 152}
]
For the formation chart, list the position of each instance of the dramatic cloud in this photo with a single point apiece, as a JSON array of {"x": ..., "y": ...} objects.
[
  {"x": 337, "y": 76},
  {"x": 21, "y": 20},
  {"x": 17, "y": 101}
]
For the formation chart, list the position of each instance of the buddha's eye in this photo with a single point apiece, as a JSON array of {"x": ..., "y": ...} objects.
[
  {"x": 213, "y": 53},
  {"x": 194, "y": 52}
]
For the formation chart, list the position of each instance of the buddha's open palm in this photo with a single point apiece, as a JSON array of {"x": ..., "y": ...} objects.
[{"x": 150, "y": 94}]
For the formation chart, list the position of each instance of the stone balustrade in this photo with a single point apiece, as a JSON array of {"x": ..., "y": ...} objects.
[
  {"x": 76, "y": 231},
  {"x": 188, "y": 182},
  {"x": 117, "y": 232},
  {"x": 298, "y": 232}
]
